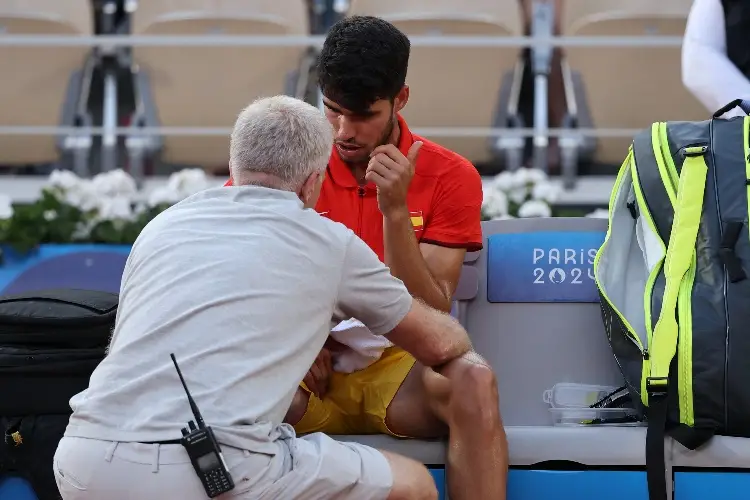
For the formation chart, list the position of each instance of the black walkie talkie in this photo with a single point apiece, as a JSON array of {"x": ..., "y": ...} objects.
[{"x": 204, "y": 451}]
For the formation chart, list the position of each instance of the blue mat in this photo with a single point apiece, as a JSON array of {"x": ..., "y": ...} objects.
[{"x": 15, "y": 488}]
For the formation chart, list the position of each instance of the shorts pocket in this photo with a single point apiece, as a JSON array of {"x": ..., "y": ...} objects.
[
  {"x": 65, "y": 480},
  {"x": 251, "y": 471},
  {"x": 76, "y": 463},
  {"x": 291, "y": 479}
]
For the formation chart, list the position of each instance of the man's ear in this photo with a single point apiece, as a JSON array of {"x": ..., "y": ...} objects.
[
  {"x": 401, "y": 98},
  {"x": 310, "y": 190}
]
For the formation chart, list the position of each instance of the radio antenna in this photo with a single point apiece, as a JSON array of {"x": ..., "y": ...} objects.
[{"x": 193, "y": 406}]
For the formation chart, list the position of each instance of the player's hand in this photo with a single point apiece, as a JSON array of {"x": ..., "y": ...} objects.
[
  {"x": 318, "y": 376},
  {"x": 392, "y": 172}
]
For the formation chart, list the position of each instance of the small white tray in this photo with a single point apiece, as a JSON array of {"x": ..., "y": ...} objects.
[
  {"x": 593, "y": 416},
  {"x": 569, "y": 395}
]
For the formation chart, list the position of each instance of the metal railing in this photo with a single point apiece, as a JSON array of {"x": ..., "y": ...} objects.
[
  {"x": 465, "y": 41},
  {"x": 220, "y": 41},
  {"x": 226, "y": 131},
  {"x": 540, "y": 133}
]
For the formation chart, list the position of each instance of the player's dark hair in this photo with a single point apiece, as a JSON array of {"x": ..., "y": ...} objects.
[{"x": 364, "y": 59}]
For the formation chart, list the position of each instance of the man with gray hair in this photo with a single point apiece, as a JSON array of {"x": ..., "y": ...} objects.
[
  {"x": 242, "y": 285},
  {"x": 279, "y": 143}
]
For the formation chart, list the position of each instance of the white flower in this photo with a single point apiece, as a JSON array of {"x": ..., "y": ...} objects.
[
  {"x": 545, "y": 191},
  {"x": 534, "y": 208},
  {"x": 495, "y": 203},
  {"x": 82, "y": 196},
  {"x": 519, "y": 194},
  {"x": 107, "y": 193},
  {"x": 6, "y": 207},
  {"x": 518, "y": 184},
  {"x": 140, "y": 208},
  {"x": 180, "y": 185},
  {"x": 525, "y": 176},
  {"x": 115, "y": 183},
  {"x": 503, "y": 217},
  {"x": 63, "y": 180},
  {"x": 163, "y": 195},
  {"x": 86, "y": 194},
  {"x": 599, "y": 213},
  {"x": 187, "y": 182},
  {"x": 504, "y": 181},
  {"x": 117, "y": 208}
]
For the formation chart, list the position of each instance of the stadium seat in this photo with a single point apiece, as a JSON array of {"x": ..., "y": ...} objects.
[
  {"x": 44, "y": 86},
  {"x": 208, "y": 86},
  {"x": 627, "y": 87},
  {"x": 456, "y": 87}
]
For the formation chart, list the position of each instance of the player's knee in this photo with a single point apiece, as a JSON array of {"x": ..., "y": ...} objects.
[
  {"x": 411, "y": 479},
  {"x": 480, "y": 378},
  {"x": 475, "y": 386}
]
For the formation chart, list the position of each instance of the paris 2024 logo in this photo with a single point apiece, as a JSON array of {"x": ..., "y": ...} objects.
[{"x": 563, "y": 265}]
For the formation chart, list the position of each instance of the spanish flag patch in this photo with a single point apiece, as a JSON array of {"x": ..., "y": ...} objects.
[{"x": 417, "y": 221}]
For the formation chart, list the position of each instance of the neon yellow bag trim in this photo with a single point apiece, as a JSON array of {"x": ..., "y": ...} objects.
[{"x": 688, "y": 209}]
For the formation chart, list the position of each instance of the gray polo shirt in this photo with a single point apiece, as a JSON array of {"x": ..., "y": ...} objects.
[{"x": 242, "y": 285}]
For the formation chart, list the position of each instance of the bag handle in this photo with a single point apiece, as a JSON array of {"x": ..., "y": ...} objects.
[
  {"x": 743, "y": 104},
  {"x": 663, "y": 345},
  {"x": 679, "y": 256}
]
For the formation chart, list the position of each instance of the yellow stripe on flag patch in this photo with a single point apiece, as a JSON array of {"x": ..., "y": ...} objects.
[{"x": 417, "y": 221}]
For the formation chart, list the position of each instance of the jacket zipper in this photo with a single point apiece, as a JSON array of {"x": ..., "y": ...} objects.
[{"x": 361, "y": 194}]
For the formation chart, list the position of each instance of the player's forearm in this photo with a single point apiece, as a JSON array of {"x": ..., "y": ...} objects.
[
  {"x": 433, "y": 337},
  {"x": 451, "y": 337},
  {"x": 403, "y": 257}
]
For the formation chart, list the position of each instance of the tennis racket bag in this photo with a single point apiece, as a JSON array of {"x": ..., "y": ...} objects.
[
  {"x": 672, "y": 275},
  {"x": 50, "y": 343}
]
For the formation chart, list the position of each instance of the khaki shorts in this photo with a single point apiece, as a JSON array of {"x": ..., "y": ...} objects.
[{"x": 310, "y": 468}]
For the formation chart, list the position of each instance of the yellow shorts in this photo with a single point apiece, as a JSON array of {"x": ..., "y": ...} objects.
[{"x": 356, "y": 402}]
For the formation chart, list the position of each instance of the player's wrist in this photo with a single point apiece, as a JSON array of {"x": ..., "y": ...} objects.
[{"x": 397, "y": 214}]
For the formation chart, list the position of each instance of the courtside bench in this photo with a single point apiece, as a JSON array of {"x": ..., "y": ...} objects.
[{"x": 530, "y": 306}]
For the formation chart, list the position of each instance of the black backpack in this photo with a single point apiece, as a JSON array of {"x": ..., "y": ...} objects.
[
  {"x": 50, "y": 343},
  {"x": 673, "y": 277}
]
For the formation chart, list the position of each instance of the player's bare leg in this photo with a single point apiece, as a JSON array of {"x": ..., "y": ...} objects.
[{"x": 462, "y": 403}]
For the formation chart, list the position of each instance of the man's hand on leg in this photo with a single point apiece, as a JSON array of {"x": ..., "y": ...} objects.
[
  {"x": 317, "y": 380},
  {"x": 318, "y": 376}
]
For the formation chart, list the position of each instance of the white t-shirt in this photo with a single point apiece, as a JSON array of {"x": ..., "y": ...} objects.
[{"x": 242, "y": 285}]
